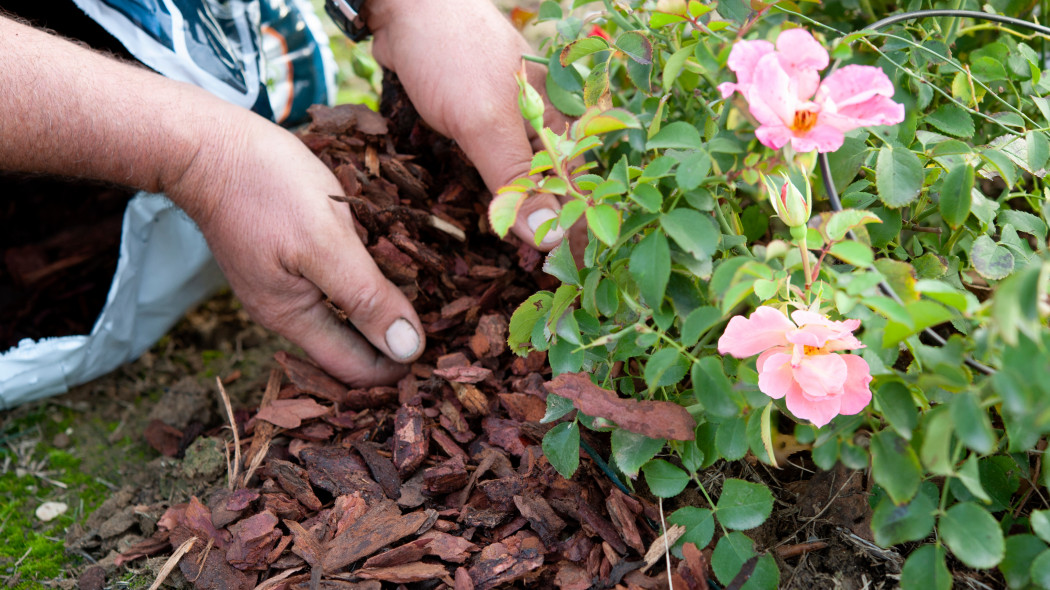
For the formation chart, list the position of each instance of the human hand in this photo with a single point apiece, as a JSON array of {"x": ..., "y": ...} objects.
[
  {"x": 456, "y": 60},
  {"x": 261, "y": 199}
]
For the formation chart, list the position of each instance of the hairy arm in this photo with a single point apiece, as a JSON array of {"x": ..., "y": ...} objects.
[{"x": 258, "y": 194}]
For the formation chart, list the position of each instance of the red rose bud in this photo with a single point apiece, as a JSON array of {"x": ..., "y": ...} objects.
[
  {"x": 597, "y": 31},
  {"x": 792, "y": 206}
]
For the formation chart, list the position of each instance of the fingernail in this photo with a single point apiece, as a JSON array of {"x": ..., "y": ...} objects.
[
  {"x": 402, "y": 339},
  {"x": 537, "y": 218}
]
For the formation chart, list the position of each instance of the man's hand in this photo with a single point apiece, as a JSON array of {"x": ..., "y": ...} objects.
[
  {"x": 457, "y": 59},
  {"x": 258, "y": 194}
]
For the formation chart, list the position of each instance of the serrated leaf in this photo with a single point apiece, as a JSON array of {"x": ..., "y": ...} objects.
[
  {"x": 743, "y": 505},
  {"x": 893, "y": 524},
  {"x": 925, "y": 570},
  {"x": 650, "y": 265},
  {"x": 731, "y": 438},
  {"x": 899, "y": 176},
  {"x": 898, "y": 407},
  {"x": 730, "y": 554},
  {"x": 608, "y": 121},
  {"x": 697, "y": 322},
  {"x": 581, "y": 48},
  {"x": 525, "y": 318},
  {"x": 693, "y": 170},
  {"x": 923, "y": 314},
  {"x": 895, "y": 466},
  {"x": 1021, "y": 551},
  {"x": 557, "y": 406},
  {"x": 973, "y": 535},
  {"x": 596, "y": 87},
  {"x": 631, "y": 451},
  {"x": 992, "y": 261},
  {"x": 955, "y": 199},
  {"x": 843, "y": 221},
  {"x": 699, "y": 525},
  {"x": 648, "y": 196},
  {"x": 503, "y": 211},
  {"x": 664, "y": 479},
  {"x": 952, "y": 120},
  {"x": 604, "y": 221},
  {"x": 561, "y": 445},
  {"x": 636, "y": 46},
  {"x": 674, "y": 65},
  {"x": 692, "y": 231},
  {"x": 972, "y": 424},
  {"x": 854, "y": 253},
  {"x": 676, "y": 135},
  {"x": 560, "y": 264},
  {"x": 713, "y": 389},
  {"x": 665, "y": 367}
]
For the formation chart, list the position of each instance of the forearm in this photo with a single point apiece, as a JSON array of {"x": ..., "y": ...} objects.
[{"x": 68, "y": 110}]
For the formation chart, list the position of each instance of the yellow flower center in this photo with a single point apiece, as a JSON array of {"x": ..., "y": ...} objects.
[{"x": 804, "y": 121}]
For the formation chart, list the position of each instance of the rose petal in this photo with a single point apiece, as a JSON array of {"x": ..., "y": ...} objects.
[
  {"x": 802, "y": 56},
  {"x": 773, "y": 136},
  {"x": 746, "y": 337},
  {"x": 856, "y": 391},
  {"x": 823, "y": 138},
  {"x": 821, "y": 375},
  {"x": 743, "y": 58},
  {"x": 817, "y": 412},
  {"x": 772, "y": 97},
  {"x": 853, "y": 84},
  {"x": 775, "y": 376}
]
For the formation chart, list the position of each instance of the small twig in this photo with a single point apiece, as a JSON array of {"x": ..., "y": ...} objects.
[
  {"x": 203, "y": 559},
  {"x": 236, "y": 437},
  {"x": 667, "y": 546},
  {"x": 14, "y": 570},
  {"x": 274, "y": 581},
  {"x": 799, "y": 548},
  {"x": 658, "y": 548},
  {"x": 440, "y": 224},
  {"x": 172, "y": 562},
  {"x": 818, "y": 514},
  {"x": 922, "y": 228}
]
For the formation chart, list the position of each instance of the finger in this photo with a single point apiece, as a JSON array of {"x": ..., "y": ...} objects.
[
  {"x": 534, "y": 212},
  {"x": 374, "y": 305},
  {"x": 338, "y": 349}
]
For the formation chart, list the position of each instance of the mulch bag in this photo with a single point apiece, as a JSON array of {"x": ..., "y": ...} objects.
[{"x": 164, "y": 268}]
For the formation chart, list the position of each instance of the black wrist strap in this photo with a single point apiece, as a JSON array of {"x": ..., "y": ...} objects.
[{"x": 347, "y": 16}]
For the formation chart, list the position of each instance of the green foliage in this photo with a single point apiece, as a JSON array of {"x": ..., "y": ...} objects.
[{"x": 948, "y": 209}]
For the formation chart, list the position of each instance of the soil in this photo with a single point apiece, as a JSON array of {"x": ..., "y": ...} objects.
[{"x": 436, "y": 482}]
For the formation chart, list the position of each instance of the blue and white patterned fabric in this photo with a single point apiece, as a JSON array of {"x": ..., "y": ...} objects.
[{"x": 270, "y": 56}]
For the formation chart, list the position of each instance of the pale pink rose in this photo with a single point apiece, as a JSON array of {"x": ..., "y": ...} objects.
[
  {"x": 798, "y": 361},
  {"x": 786, "y": 96}
]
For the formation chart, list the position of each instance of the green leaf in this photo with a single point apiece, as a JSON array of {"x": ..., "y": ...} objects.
[
  {"x": 936, "y": 442},
  {"x": 1040, "y": 521},
  {"x": 557, "y": 406},
  {"x": 664, "y": 479},
  {"x": 604, "y": 221},
  {"x": 743, "y": 505},
  {"x": 699, "y": 525},
  {"x": 699, "y": 321},
  {"x": 693, "y": 170},
  {"x": 674, "y": 65},
  {"x": 636, "y": 46},
  {"x": 666, "y": 367},
  {"x": 561, "y": 445},
  {"x": 631, "y": 451},
  {"x": 843, "y": 221},
  {"x": 730, "y": 554},
  {"x": 1023, "y": 221},
  {"x": 854, "y": 253},
  {"x": 970, "y": 476},
  {"x": 895, "y": 466},
  {"x": 648, "y": 196},
  {"x": 893, "y": 524},
  {"x": 946, "y": 294},
  {"x": 1041, "y": 570},
  {"x": 899, "y": 176},
  {"x": 973, "y": 535},
  {"x": 596, "y": 87},
  {"x": 972, "y": 424},
  {"x": 650, "y": 265},
  {"x": 713, "y": 389},
  {"x": 731, "y": 438},
  {"x": 952, "y": 120},
  {"x": 898, "y": 407},
  {"x": 923, "y": 313},
  {"x": 992, "y": 261},
  {"x": 607, "y": 121},
  {"x": 560, "y": 264},
  {"x": 503, "y": 211},
  {"x": 679, "y": 134},
  {"x": 987, "y": 69},
  {"x": 925, "y": 570},
  {"x": 1021, "y": 551},
  {"x": 1038, "y": 149},
  {"x": 581, "y": 48},
  {"x": 955, "y": 195},
  {"x": 692, "y": 231},
  {"x": 524, "y": 319}
]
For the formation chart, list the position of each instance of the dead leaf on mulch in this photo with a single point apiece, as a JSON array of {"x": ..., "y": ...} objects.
[{"x": 655, "y": 419}]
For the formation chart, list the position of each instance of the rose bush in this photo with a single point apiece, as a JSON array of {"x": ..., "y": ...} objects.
[{"x": 919, "y": 246}]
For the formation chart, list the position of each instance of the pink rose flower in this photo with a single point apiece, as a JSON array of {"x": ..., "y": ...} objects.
[
  {"x": 798, "y": 361},
  {"x": 786, "y": 96}
]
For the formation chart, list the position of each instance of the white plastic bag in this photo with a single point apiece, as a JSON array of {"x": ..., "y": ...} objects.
[{"x": 164, "y": 268}]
